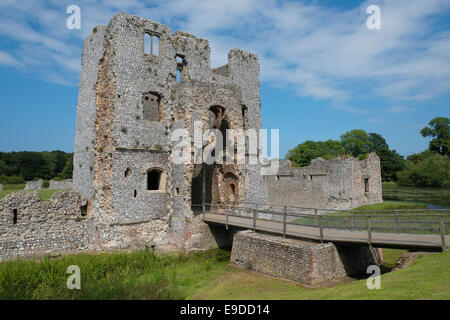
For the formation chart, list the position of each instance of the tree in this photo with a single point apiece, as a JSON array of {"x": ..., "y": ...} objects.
[
  {"x": 68, "y": 169},
  {"x": 439, "y": 129},
  {"x": 391, "y": 162},
  {"x": 356, "y": 142},
  {"x": 432, "y": 170},
  {"x": 302, "y": 154}
]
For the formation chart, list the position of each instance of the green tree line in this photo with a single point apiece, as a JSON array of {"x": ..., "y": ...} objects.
[
  {"x": 430, "y": 168},
  {"x": 18, "y": 167}
]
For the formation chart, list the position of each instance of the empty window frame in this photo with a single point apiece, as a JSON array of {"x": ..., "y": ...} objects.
[
  {"x": 156, "y": 180},
  {"x": 151, "y": 103},
  {"x": 366, "y": 185},
  {"x": 151, "y": 44},
  {"x": 14, "y": 216},
  {"x": 181, "y": 62}
]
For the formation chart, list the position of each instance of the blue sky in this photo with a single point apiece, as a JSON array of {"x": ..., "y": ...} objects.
[{"x": 322, "y": 71}]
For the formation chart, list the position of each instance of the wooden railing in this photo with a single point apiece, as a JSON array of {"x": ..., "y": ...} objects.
[{"x": 400, "y": 221}]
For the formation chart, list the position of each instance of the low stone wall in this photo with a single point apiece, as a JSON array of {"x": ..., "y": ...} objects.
[
  {"x": 1, "y": 187},
  {"x": 302, "y": 261},
  {"x": 34, "y": 185},
  {"x": 58, "y": 185},
  {"x": 32, "y": 227}
]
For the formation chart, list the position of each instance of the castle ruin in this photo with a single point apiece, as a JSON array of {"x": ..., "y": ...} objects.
[{"x": 139, "y": 83}]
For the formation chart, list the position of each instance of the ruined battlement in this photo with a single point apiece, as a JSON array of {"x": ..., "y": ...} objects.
[{"x": 340, "y": 183}]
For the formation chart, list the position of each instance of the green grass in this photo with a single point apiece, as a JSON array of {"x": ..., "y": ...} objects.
[
  {"x": 392, "y": 205},
  {"x": 138, "y": 275},
  {"x": 10, "y": 188},
  {"x": 427, "y": 278},
  {"x": 205, "y": 275},
  {"x": 437, "y": 196}
]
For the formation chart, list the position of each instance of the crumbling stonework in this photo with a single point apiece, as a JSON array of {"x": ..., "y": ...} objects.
[
  {"x": 30, "y": 226},
  {"x": 132, "y": 194},
  {"x": 60, "y": 185},
  {"x": 129, "y": 104},
  {"x": 34, "y": 185},
  {"x": 302, "y": 261},
  {"x": 341, "y": 183}
]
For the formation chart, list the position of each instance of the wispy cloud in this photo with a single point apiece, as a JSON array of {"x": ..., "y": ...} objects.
[
  {"x": 8, "y": 60},
  {"x": 316, "y": 51},
  {"x": 400, "y": 109},
  {"x": 378, "y": 121}
]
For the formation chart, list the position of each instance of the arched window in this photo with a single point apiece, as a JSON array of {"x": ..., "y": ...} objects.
[
  {"x": 151, "y": 44},
  {"x": 156, "y": 179}
]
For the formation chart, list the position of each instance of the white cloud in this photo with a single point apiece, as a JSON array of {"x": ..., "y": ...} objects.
[
  {"x": 319, "y": 52},
  {"x": 7, "y": 60}
]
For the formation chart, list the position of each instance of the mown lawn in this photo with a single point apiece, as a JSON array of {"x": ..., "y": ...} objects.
[
  {"x": 204, "y": 275},
  {"x": 427, "y": 278}
]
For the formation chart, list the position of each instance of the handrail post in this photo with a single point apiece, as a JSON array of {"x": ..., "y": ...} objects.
[
  {"x": 284, "y": 222},
  {"x": 315, "y": 217},
  {"x": 369, "y": 231},
  {"x": 397, "y": 221},
  {"x": 226, "y": 217},
  {"x": 321, "y": 228},
  {"x": 254, "y": 220},
  {"x": 203, "y": 209},
  {"x": 442, "y": 227},
  {"x": 352, "y": 223}
]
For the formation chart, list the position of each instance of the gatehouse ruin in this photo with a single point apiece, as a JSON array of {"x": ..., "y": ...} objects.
[{"x": 140, "y": 82}]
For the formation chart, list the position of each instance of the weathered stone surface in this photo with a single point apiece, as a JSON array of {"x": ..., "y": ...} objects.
[
  {"x": 60, "y": 185},
  {"x": 34, "y": 185},
  {"x": 133, "y": 194},
  {"x": 129, "y": 104},
  {"x": 302, "y": 261},
  {"x": 1, "y": 187},
  {"x": 341, "y": 183},
  {"x": 30, "y": 226}
]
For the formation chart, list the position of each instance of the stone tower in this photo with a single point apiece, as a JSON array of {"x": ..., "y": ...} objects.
[{"x": 140, "y": 82}]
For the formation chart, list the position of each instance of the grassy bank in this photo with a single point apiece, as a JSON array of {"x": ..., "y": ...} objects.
[
  {"x": 205, "y": 275},
  {"x": 427, "y": 278},
  {"x": 437, "y": 196},
  {"x": 9, "y": 188},
  {"x": 138, "y": 275}
]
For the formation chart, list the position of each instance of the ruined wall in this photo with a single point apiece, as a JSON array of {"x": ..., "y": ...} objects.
[
  {"x": 1, "y": 187},
  {"x": 58, "y": 185},
  {"x": 34, "y": 185},
  {"x": 30, "y": 226},
  {"x": 330, "y": 184},
  {"x": 302, "y": 261},
  {"x": 129, "y": 104}
]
